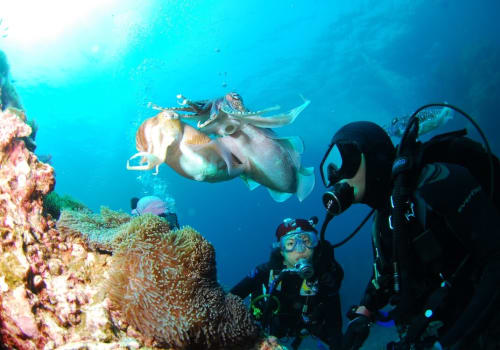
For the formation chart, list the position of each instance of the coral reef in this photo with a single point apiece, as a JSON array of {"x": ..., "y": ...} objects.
[
  {"x": 54, "y": 203},
  {"x": 58, "y": 291}
]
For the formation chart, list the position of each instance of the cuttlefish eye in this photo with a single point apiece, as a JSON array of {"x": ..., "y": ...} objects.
[
  {"x": 234, "y": 100},
  {"x": 235, "y": 96}
]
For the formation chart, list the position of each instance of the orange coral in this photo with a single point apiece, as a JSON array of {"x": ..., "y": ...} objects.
[{"x": 164, "y": 283}]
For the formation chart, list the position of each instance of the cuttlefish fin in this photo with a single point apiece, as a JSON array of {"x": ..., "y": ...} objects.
[
  {"x": 279, "y": 196},
  {"x": 274, "y": 121},
  {"x": 151, "y": 161},
  {"x": 251, "y": 184},
  {"x": 306, "y": 181}
]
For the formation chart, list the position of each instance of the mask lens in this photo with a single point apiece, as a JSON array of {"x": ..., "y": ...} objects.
[
  {"x": 299, "y": 241},
  {"x": 341, "y": 162},
  {"x": 332, "y": 164}
]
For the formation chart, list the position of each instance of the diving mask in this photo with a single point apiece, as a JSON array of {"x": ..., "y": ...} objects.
[
  {"x": 298, "y": 241},
  {"x": 341, "y": 161}
]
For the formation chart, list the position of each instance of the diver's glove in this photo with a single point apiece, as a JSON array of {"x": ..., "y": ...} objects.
[{"x": 357, "y": 331}]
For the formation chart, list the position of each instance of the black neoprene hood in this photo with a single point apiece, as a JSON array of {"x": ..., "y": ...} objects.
[{"x": 379, "y": 152}]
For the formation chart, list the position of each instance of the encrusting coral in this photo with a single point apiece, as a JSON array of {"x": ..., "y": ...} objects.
[
  {"x": 41, "y": 295},
  {"x": 58, "y": 290},
  {"x": 23, "y": 179}
]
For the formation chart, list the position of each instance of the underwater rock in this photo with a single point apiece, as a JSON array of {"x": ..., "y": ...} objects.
[
  {"x": 23, "y": 179},
  {"x": 59, "y": 284}
]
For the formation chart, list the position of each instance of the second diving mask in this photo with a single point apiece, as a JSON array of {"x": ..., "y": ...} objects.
[{"x": 298, "y": 241}]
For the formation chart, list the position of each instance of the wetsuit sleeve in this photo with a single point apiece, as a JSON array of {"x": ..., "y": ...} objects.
[
  {"x": 251, "y": 283},
  {"x": 452, "y": 192}
]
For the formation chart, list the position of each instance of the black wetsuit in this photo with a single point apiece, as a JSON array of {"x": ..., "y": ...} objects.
[
  {"x": 462, "y": 222},
  {"x": 322, "y": 315}
]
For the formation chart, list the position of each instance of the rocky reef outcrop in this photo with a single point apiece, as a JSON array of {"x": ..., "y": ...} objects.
[{"x": 103, "y": 281}]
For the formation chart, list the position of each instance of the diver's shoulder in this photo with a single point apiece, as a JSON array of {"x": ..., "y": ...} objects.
[{"x": 432, "y": 173}]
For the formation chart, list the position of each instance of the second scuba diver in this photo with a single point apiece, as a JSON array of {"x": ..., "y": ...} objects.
[{"x": 296, "y": 293}]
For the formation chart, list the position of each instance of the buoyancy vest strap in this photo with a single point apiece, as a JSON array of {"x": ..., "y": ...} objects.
[{"x": 404, "y": 179}]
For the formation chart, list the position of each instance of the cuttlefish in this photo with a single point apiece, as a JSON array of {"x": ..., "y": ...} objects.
[
  {"x": 271, "y": 161},
  {"x": 254, "y": 154},
  {"x": 225, "y": 115},
  {"x": 191, "y": 153}
]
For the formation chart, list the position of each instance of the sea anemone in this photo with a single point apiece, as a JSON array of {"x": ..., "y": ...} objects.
[
  {"x": 98, "y": 230},
  {"x": 164, "y": 284}
]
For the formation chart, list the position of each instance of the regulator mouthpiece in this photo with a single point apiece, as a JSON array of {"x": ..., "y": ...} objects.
[
  {"x": 339, "y": 198},
  {"x": 304, "y": 269}
]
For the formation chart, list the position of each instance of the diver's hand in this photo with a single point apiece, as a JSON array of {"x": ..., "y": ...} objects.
[{"x": 356, "y": 333}]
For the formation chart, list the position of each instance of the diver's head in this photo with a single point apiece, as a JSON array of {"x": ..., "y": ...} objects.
[
  {"x": 358, "y": 165},
  {"x": 296, "y": 239}
]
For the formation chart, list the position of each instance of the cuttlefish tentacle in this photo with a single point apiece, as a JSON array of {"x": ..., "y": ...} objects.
[
  {"x": 235, "y": 113},
  {"x": 271, "y": 121},
  {"x": 195, "y": 107},
  {"x": 151, "y": 161},
  {"x": 166, "y": 109}
]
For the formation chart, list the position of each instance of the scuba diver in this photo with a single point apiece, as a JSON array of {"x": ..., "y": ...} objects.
[
  {"x": 435, "y": 237},
  {"x": 296, "y": 293},
  {"x": 156, "y": 206}
]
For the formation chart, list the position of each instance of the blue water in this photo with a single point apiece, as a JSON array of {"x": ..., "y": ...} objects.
[{"x": 88, "y": 85}]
